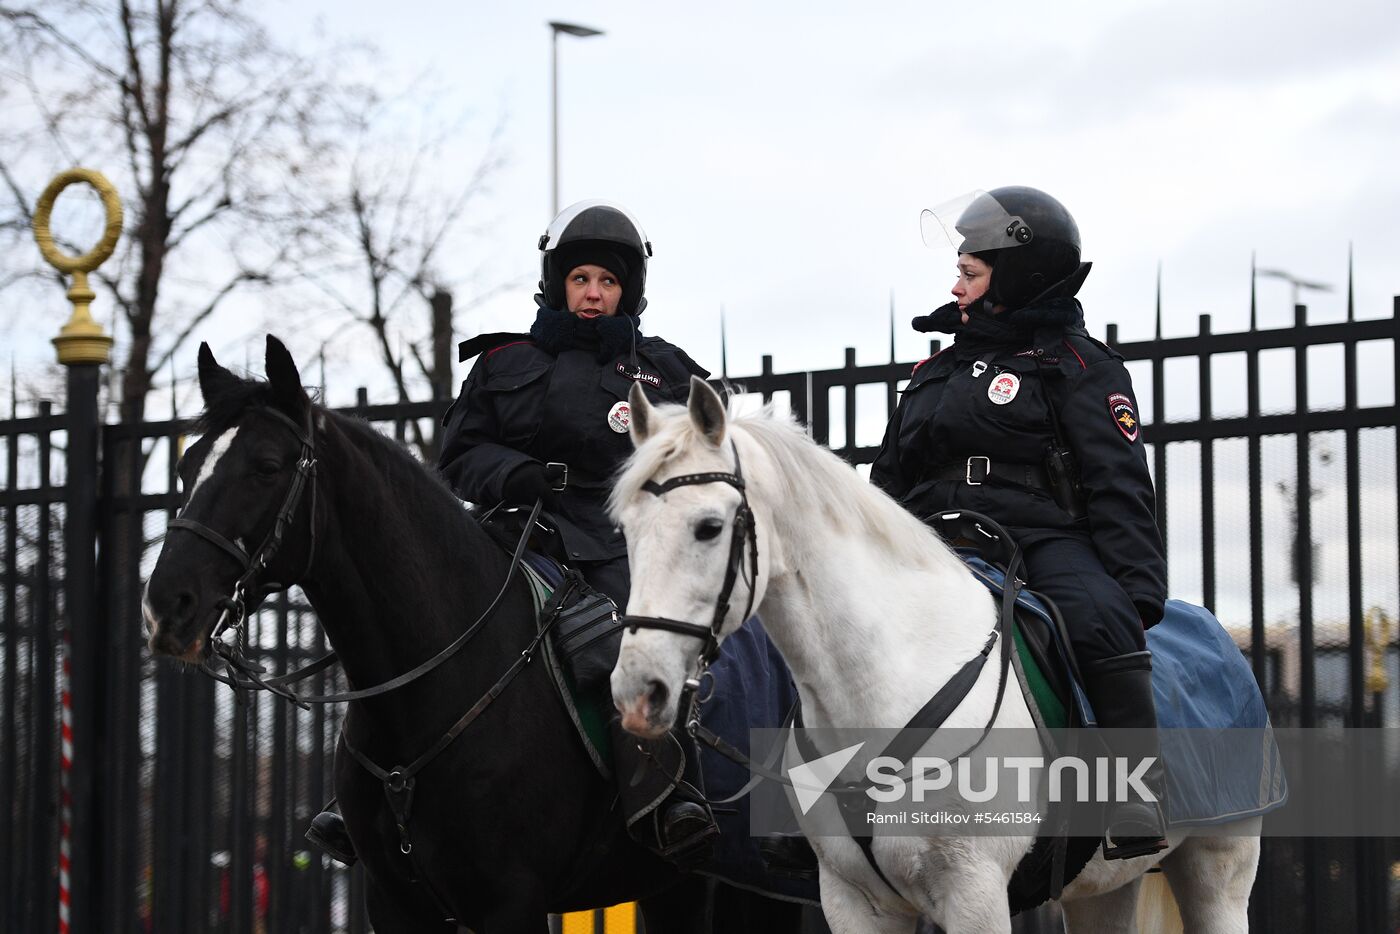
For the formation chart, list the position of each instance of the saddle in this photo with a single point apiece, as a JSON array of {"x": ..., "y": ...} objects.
[
  {"x": 589, "y": 631},
  {"x": 581, "y": 648}
]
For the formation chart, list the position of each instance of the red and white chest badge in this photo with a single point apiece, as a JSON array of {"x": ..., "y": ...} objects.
[
  {"x": 1004, "y": 388},
  {"x": 1120, "y": 407},
  {"x": 620, "y": 417}
]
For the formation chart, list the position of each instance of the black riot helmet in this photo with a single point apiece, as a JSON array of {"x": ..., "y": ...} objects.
[
  {"x": 1027, "y": 237},
  {"x": 598, "y": 233}
]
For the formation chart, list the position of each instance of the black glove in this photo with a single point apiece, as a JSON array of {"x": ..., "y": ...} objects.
[{"x": 527, "y": 483}]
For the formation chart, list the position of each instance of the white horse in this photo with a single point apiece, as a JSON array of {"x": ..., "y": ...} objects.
[{"x": 873, "y": 613}]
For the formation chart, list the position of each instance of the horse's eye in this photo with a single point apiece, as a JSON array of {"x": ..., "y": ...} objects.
[
  {"x": 268, "y": 468},
  {"x": 707, "y": 529}
]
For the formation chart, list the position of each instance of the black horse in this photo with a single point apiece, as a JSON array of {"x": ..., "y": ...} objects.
[{"x": 511, "y": 820}]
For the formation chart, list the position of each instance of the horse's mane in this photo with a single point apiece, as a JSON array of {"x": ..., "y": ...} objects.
[
  {"x": 810, "y": 477},
  {"x": 389, "y": 455}
]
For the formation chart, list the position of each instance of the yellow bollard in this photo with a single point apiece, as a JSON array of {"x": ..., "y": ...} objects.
[{"x": 619, "y": 919}]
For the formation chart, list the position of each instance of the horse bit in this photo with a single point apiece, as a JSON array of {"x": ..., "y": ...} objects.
[{"x": 744, "y": 533}]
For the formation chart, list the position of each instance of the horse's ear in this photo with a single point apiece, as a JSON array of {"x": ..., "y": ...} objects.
[
  {"x": 641, "y": 414},
  {"x": 707, "y": 411},
  {"x": 282, "y": 373},
  {"x": 213, "y": 378}
]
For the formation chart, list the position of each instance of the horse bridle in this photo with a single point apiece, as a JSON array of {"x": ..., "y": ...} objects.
[
  {"x": 235, "y": 606},
  {"x": 743, "y": 534}
]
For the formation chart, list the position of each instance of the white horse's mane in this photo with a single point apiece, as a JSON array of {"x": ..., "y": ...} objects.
[{"x": 812, "y": 478}]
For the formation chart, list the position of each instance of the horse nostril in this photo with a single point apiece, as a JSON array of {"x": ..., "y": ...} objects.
[
  {"x": 166, "y": 644},
  {"x": 657, "y": 694},
  {"x": 184, "y": 607}
]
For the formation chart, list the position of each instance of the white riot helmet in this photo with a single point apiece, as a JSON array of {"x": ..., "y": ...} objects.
[{"x": 598, "y": 233}]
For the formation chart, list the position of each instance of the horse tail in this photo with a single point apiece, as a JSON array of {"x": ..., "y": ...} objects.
[{"x": 1157, "y": 912}]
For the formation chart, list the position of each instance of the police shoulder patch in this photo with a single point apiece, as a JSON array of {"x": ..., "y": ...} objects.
[{"x": 1120, "y": 408}]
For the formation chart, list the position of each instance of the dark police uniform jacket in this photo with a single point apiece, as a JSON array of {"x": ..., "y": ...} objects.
[
  {"x": 521, "y": 403},
  {"x": 989, "y": 395}
]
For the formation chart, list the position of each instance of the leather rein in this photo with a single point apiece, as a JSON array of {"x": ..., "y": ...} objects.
[{"x": 228, "y": 632}]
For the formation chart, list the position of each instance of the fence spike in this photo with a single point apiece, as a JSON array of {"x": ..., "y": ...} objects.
[
  {"x": 1351, "y": 286},
  {"x": 892, "y": 357},
  {"x": 1253, "y": 300},
  {"x": 723, "y": 346},
  {"x": 1159, "y": 299}
]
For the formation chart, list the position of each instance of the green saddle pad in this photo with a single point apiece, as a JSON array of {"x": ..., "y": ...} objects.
[
  {"x": 589, "y": 710},
  {"x": 1039, "y": 694}
]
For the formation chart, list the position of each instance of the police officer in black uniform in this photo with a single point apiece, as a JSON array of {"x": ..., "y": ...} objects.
[
  {"x": 544, "y": 414},
  {"x": 1026, "y": 418}
]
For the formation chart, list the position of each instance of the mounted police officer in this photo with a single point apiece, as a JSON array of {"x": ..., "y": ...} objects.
[
  {"x": 1027, "y": 419},
  {"x": 544, "y": 415}
]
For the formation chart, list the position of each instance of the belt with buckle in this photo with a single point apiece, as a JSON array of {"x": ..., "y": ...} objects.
[
  {"x": 561, "y": 476},
  {"x": 978, "y": 468}
]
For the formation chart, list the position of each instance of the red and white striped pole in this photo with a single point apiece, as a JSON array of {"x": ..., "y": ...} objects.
[{"x": 65, "y": 846}]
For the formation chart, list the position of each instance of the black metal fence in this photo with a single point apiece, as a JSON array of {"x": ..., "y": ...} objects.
[
  {"x": 199, "y": 799},
  {"x": 30, "y": 701}
]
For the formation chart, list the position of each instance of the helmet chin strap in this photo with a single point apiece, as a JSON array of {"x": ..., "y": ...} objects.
[
  {"x": 632, "y": 321},
  {"x": 1067, "y": 287}
]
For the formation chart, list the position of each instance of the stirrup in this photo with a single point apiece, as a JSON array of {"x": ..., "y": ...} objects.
[
  {"x": 1136, "y": 844},
  {"x": 687, "y": 839},
  {"x": 1133, "y": 847}
]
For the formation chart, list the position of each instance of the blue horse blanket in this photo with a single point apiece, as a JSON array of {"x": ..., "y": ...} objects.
[
  {"x": 1208, "y": 704},
  {"x": 753, "y": 689}
]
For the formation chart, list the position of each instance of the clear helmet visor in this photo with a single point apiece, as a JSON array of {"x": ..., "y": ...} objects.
[{"x": 973, "y": 223}]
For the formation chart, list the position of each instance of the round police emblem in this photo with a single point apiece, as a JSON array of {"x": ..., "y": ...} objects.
[
  {"x": 1004, "y": 388},
  {"x": 620, "y": 417}
]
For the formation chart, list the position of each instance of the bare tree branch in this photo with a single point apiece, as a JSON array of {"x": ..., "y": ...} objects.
[
  {"x": 203, "y": 315},
  {"x": 28, "y": 19}
]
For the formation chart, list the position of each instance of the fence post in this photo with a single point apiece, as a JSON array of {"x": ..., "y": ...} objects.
[{"x": 82, "y": 347}]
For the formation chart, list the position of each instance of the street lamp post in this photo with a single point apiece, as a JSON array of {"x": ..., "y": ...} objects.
[
  {"x": 1297, "y": 284},
  {"x": 582, "y": 32}
]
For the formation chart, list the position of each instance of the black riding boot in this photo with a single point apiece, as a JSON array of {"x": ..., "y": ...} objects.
[
  {"x": 327, "y": 831},
  {"x": 1120, "y": 691},
  {"x": 664, "y": 808}
]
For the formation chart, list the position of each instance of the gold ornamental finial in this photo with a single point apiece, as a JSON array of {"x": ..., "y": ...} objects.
[{"x": 82, "y": 339}]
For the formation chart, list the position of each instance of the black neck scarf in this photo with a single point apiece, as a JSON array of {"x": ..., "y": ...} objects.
[{"x": 557, "y": 331}]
